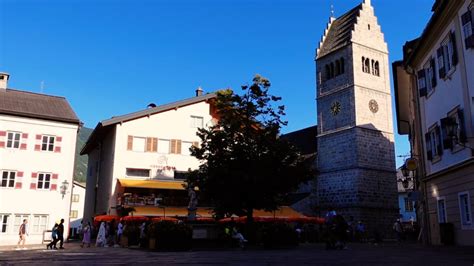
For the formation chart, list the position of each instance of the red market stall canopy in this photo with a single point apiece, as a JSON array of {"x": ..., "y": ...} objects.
[
  {"x": 160, "y": 219},
  {"x": 134, "y": 219},
  {"x": 106, "y": 218}
]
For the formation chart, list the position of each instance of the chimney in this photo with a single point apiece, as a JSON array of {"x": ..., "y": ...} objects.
[
  {"x": 4, "y": 80},
  {"x": 199, "y": 91}
]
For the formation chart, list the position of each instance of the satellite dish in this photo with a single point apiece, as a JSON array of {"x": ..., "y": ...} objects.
[{"x": 151, "y": 105}]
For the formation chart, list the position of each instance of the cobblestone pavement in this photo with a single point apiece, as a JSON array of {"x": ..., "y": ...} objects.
[{"x": 310, "y": 254}]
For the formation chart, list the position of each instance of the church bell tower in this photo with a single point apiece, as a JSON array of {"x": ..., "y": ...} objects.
[{"x": 356, "y": 159}]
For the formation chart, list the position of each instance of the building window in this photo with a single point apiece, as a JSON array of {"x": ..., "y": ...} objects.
[
  {"x": 135, "y": 172},
  {"x": 442, "y": 210},
  {"x": 139, "y": 144},
  {"x": 13, "y": 140},
  {"x": 175, "y": 146},
  {"x": 73, "y": 214},
  {"x": 18, "y": 221},
  {"x": 447, "y": 55},
  {"x": 151, "y": 144},
  {"x": 163, "y": 146},
  {"x": 8, "y": 179},
  {"x": 365, "y": 65},
  {"x": 376, "y": 69},
  {"x": 197, "y": 121},
  {"x": 47, "y": 143},
  {"x": 468, "y": 28},
  {"x": 434, "y": 149},
  {"x": 40, "y": 222},
  {"x": 4, "y": 223},
  {"x": 408, "y": 205},
  {"x": 75, "y": 198},
  {"x": 342, "y": 65},
  {"x": 44, "y": 181},
  {"x": 186, "y": 145},
  {"x": 465, "y": 208}
]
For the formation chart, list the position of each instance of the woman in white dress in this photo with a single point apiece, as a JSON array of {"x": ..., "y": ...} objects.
[{"x": 100, "y": 241}]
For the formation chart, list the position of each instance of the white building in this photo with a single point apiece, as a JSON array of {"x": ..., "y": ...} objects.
[
  {"x": 37, "y": 146},
  {"x": 434, "y": 87},
  {"x": 140, "y": 159},
  {"x": 77, "y": 208}
]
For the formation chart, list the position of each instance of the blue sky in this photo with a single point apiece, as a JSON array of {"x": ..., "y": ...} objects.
[{"x": 114, "y": 57}]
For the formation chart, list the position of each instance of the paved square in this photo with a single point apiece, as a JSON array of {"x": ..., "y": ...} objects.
[{"x": 309, "y": 254}]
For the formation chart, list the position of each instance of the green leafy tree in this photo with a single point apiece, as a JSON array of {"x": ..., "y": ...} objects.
[{"x": 245, "y": 165}]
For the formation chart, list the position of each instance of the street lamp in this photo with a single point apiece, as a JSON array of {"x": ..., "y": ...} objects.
[
  {"x": 453, "y": 131},
  {"x": 64, "y": 187}
]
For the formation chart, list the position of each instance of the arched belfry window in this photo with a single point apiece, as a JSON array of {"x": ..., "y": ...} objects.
[
  {"x": 366, "y": 65},
  {"x": 338, "y": 68},
  {"x": 332, "y": 69},
  {"x": 328, "y": 72},
  {"x": 373, "y": 67},
  {"x": 342, "y": 65},
  {"x": 363, "y": 64},
  {"x": 377, "y": 69}
]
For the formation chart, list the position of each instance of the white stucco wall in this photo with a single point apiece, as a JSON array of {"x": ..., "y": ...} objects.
[
  {"x": 31, "y": 202},
  {"x": 78, "y": 192}
]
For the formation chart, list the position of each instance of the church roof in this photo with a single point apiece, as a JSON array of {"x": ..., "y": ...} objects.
[
  {"x": 303, "y": 139},
  {"x": 339, "y": 33}
]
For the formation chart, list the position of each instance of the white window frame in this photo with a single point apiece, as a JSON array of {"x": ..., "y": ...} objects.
[
  {"x": 39, "y": 223},
  {"x": 428, "y": 77},
  {"x": 49, "y": 141},
  {"x": 42, "y": 179},
  {"x": 438, "y": 199},
  {"x": 136, "y": 147},
  {"x": 185, "y": 146},
  {"x": 468, "y": 224},
  {"x": 13, "y": 140},
  {"x": 75, "y": 197},
  {"x": 164, "y": 146},
  {"x": 197, "y": 121},
  {"x": 21, "y": 216},
  {"x": 9, "y": 178},
  {"x": 4, "y": 223},
  {"x": 73, "y": 214}
]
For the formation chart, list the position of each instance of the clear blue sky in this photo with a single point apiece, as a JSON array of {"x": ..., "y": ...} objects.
[{"x": 114, "y": 57}]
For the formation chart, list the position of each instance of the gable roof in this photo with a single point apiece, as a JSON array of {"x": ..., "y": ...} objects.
[
  {"x": 304, "y": 139},
  {"x": 102, "y": 127},
  {"x": 339, "y": 33},
  {"x": 35, "y": 105}
]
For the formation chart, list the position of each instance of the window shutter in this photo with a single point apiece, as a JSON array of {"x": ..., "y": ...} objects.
[
  {"x": 18, "y": 185},
  {"x": 441, "y": 68},
  {"x": 429, "y": 153},
  {"x": 148, "y": 145},
  {"x": 462, "y": 127},
  {"x": 469, "y": 39},
  {"x": 447, "y": 141},
  {"x": 33, "y": 186},
  {"x": 178, "y": 146},
  {"x": 422, "y": 83},
  {"x": 452, "y": 37},
  {"x": 53, "y": 187},
  {"x": 433, "y": 71},
  {"x": 154, "y": 147},
  {"x": 130, "y": 143},
  {"x": 439, "y": 147},
  {"x": 173, "y": 146}
]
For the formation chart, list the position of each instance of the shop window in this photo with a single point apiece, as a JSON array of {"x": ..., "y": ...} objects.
[
  {"x": 40, "y": 223},
  {"x": 135, "y": 172}
]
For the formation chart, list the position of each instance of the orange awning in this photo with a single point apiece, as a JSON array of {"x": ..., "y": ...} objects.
[
  {"x": 157, "y": 184},
  {"x": 169, "y": 211}
]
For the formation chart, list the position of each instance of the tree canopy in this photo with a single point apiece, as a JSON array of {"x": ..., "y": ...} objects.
[{"x": 245, "y": 164}]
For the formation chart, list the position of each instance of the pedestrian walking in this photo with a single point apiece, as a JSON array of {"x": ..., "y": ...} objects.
[
  {"x": 398, "y": 228},
  {"x": 54, "y": 236},
  {"x": 119, "y": 232},
  {"x": 23, "y": 232},
  {"x": 86, "y": 235},
  {"x": 61, "y": 234},
  {"x": 100, "y": 241}
]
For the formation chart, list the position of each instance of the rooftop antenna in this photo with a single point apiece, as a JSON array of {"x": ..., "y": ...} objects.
[{"x": 42, "y": 86}]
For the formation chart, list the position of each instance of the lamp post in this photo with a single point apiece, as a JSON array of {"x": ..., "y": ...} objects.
[
  {"x": 64, "y": 187},
  {"x": 453, "y": 131}
]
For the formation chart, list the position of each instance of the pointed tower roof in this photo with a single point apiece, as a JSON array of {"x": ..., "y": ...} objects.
[{"x": 338, "y": 33}]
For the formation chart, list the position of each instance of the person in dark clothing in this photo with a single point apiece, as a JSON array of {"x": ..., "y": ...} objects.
[
  {"x": 54, "y": 235},
  {"x": 61, "y": 234}
]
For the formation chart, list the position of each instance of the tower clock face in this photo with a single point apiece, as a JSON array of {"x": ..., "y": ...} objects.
[
  {"x": 335, "y": 108},
  {"x": 373, "y": 106}
]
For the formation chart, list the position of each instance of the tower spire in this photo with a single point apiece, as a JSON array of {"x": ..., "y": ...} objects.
[{"x": 367, "y": 2}]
